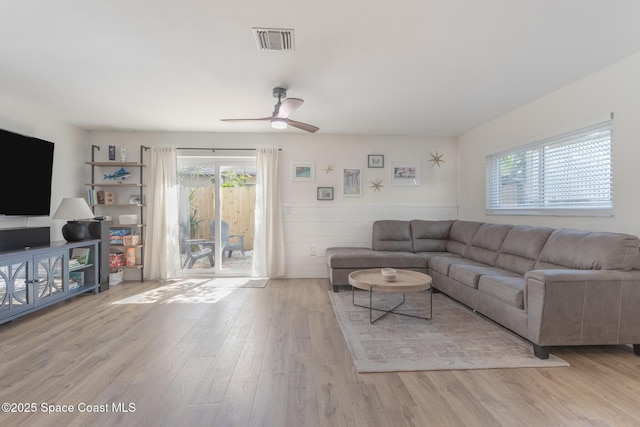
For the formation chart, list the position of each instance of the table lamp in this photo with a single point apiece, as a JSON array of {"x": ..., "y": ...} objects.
[{"x": 75, "y": 210}]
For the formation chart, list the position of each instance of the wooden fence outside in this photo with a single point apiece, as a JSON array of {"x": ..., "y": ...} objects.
[{"x": 238, "y": 210}]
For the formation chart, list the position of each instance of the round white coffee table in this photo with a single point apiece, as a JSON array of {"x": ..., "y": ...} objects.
[{"x": 406, "y": 281}]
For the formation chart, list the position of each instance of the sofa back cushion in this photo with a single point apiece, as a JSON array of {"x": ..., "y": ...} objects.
[
  {"x": 521, "y": 248},
  {"x": 391, "y": 235},
  {"x": 589, "y": 250},
  {"x": 460, "y": 236},
  {"x": 430, "y": 236},
  {"x": 486, "y": 243}
]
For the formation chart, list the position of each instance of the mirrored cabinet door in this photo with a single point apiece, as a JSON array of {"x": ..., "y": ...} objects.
[
  {"x": 16, "y": 293},
  {"x": 50, "y": 270}
]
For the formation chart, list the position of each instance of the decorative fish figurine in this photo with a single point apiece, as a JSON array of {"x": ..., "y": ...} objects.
[{"x": 120, "y": 174}]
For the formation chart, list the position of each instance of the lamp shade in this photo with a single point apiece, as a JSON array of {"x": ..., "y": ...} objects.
[{"x": 73, "y": 208}]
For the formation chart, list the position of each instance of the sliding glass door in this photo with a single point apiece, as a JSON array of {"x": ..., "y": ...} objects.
[{"x": 217, "y": 211}]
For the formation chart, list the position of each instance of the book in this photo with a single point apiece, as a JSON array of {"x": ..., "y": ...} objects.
[
  {"x": 76, "y": 279},
  {"x": 80, "y": 255}
]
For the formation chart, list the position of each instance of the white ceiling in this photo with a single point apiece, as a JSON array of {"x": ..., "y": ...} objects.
[{"x": 372, "y": 67}]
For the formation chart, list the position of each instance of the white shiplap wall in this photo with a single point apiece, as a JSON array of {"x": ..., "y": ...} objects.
[{"x": 322, "y": 227}]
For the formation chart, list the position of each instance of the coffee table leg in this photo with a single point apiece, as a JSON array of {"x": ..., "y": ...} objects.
[{"x": 371, "y": 307}]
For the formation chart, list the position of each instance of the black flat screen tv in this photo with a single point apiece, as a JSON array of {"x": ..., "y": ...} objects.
[{"x": 25, "y": 175}]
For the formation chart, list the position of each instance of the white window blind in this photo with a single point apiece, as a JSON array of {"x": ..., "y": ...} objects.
[{"x": 570, "y": 174}]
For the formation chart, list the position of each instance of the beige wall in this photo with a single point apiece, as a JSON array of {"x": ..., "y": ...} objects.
[
  {"x": 345, "y": 221},
  {"x": 69, "y": 170},
  {"x": 614, "y": 89}
]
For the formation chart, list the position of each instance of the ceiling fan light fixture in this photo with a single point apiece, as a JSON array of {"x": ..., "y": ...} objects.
[
  {"x": 278, "y": 123},
  {"x": 280, "y": 117}
]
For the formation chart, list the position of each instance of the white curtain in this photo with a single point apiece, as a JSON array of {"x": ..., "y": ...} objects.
[
  {"x": 162, "y": 247},
  {"x": 268, "y": 258}
]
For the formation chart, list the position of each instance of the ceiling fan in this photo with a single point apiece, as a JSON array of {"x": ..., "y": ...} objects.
[{"x": 280, "y": 117}]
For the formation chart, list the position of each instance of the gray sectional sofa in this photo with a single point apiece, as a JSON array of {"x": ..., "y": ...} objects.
[{"x": 553, "y": 287}]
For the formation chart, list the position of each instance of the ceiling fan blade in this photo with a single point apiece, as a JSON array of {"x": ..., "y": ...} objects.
[
  {"x": 303, "y": 126},
  {"x": 247, "y": 120},
  {"x": 287, "y": 107}
]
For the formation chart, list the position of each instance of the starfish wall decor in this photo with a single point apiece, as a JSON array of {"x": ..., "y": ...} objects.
[
  {"x": 376, "y": 185},
  {"x": 436, "y": 159},
  {"x": 328, "y": 169}
]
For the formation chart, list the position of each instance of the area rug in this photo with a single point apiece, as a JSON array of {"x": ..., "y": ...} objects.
[
  {"x": 236, "y": 282},
  {"x": 455, "y": 338}
]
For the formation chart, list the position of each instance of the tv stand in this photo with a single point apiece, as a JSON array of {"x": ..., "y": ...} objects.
[{"x": 34, "y": 278}]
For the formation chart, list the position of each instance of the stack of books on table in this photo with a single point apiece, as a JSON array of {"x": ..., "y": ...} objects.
[
  {"x": 74, "y": 263},
  {"x": 79, "y": 258}
]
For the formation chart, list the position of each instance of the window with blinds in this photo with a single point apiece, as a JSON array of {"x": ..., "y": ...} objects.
[{"x": 570, "y": 174}]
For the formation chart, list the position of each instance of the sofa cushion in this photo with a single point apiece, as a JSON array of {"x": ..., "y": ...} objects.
[
  {"x": 362, "y": 258},
  {"x": 391, "y": 235},
  {"x": 430, "y": 236},
  {"x": 470, "y": 274},
  {"x": 486, "y": 243},
  {"x": 344, "y": 257},
  {"x": 442, "y": 263},
  {"x": 460, "y": 236},
  {"x": 510, "y": 290},
  {"x": 521, "y": 248},
  {"x": 586, "y": 250}
]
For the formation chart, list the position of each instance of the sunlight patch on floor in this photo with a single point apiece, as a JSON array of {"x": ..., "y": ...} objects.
[{"x": 184, "y": 292}]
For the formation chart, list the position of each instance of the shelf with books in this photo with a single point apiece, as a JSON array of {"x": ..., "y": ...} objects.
[
  {"x": 76, "y": 279},
  {"x": 80, "y": 256},
  {"x": 76, "y": 266}
]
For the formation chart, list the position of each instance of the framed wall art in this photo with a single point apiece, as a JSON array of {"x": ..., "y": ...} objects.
[
  {"x": 405, "y": 173},
  {"x": 376, "y": 161},
  {"x": 325, "y": 193},
  {"x": 351, "y": 182},
  {"x": 302, "y": 172}
]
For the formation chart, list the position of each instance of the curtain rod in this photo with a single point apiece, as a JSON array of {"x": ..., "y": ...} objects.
[{"x": 220, "y": 149}]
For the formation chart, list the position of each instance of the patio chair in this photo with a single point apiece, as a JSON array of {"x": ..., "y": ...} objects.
[
  {"x": 194, "y": 249},
  {"x": 227, "y": 245}
]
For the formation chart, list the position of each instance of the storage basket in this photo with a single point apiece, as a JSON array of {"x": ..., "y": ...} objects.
[
  {"x": 132, "y": 240},
  {"x": 116, "y": 277}
]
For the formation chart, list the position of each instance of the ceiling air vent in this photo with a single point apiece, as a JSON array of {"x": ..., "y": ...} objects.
[{"x": 273, "y": 38}]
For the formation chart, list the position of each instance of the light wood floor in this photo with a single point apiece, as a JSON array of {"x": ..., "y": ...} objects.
[{"x": 274, "y": 357}]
